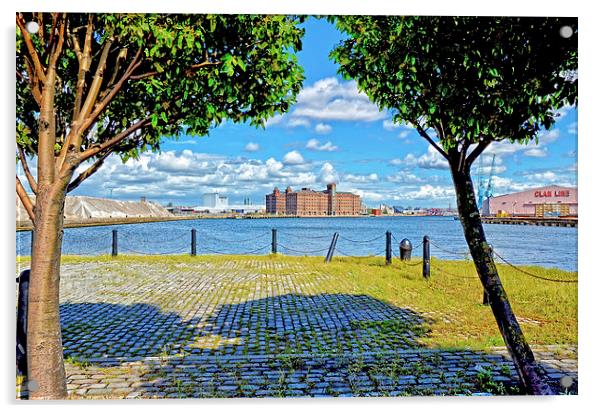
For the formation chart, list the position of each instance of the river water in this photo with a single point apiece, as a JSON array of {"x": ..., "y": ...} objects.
[{"x": 545, "y": 246}]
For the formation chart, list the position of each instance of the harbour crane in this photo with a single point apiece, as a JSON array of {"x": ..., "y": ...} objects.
[
  {"x": 489, "y": 191},
  {"x": 484, "y": 192}
]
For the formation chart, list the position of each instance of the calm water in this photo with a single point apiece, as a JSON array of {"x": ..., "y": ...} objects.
[{"x": 545, "y": 246}]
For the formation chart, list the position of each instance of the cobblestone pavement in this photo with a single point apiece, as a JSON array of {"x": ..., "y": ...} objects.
[{"x": 259, "y": 329}]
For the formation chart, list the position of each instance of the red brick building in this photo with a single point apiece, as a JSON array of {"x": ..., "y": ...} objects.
[{"x": 308, "y": 202}]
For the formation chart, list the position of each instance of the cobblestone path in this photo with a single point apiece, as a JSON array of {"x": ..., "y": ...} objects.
[{"x": 259, "y": 329}]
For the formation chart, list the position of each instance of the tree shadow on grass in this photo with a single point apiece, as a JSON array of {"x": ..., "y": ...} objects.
[{"x": 287, "y": 345}]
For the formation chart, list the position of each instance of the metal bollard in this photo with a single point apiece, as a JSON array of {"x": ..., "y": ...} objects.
[
  {"x": 388, "y": 248},
  {"x": 22, "y": 304},
  {"x": 333, "y": 245},
  {"x": 193, "y": 242},
  {"x": 405, "y": 250},
  {"x": 274, "y": 241},
  {"x": 114, "y": 245},
  {"x": 426, "y": 257}
]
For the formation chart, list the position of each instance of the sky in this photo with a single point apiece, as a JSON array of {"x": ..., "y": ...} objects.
[{"x": 332, "y": 134}]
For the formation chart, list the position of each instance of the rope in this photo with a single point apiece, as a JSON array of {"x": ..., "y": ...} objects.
[
  {"x": 450, "y": 274},
  {"x": 182, "y": 249},
  {"x": 240, "y": 253},
  {"x": 303, "y": 252},
  {"x": 92, "y": 252},
  {"x": 290, "y": 234},
  {"x": 411, "y": 265},
  {"x": 449, "y": 251},
  {"x": 228, "y": 240},
  {"x": 360, "y": 241},
  {"x": 531, "y": 274},
  {"x": 145, "y": 240}
]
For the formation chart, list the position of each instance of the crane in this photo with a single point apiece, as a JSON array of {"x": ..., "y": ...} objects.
[
  {"x": 484, "y": 192},
  {"x": 489, "y": 191},
  {"x": 480, "y": 185}
]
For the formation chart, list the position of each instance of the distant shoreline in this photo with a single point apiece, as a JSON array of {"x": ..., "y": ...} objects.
[{"x": 26, "y": 226}]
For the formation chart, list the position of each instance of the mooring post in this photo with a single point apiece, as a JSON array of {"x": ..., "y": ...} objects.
[
  {"x": 333, "y": 245},
  {"x": 193, "y": 242},
  {"x": 274, "y": 241},
  {"x": 405, "y": 250},
  {"x": 114, "y": 245},
  {"x": 388, "y": 248},
  {"x": 426, "y": 257},
  {"x": 22, "y": 303}
]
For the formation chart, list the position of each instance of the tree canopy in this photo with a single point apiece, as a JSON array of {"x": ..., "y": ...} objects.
[
  {"x": 124, "y": 81},
  {"x": 470, "y": 80}
]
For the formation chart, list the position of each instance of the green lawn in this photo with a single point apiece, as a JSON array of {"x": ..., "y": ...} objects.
[{"x": 451, "y": 299}]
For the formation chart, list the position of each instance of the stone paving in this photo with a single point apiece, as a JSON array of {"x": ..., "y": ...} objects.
[{"x": 260, "y": 329}]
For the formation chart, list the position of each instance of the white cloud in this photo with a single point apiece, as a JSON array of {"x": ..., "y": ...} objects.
[
  {"x": 294, "y": 122},
  {"x": 293, "y": 158},
  {"x": 367, "y": 195},
  {"x": 404, "y": 134},
  {"x": 404, "y": 177},
  {"x": 252, "y": 147},
  {"x": 328, "y": 174},
  {"x": 274, "y": 120},
  {"x": 545, "y": 176},
  {"x": 184, "y": 142},
  {"x": 327, "y": 99},
  {"x": 323, "y": 128},
  {"x": 432, "y": 159},
  {"x": 391, "y": 126},
  {"x": 360, "y": 179},
  {"x": 396, "y": 162},
  {"x": 315, "y": 145},
  {"x": 429, "y": 192},
  {"x": 572, "y": 129},
  {"x": 536, "y": 152}
]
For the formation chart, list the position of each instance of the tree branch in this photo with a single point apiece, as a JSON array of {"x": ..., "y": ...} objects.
[
  {"x": 430, "y": 140},
  {"x": 84, "y": 60},
  {"x": 31, "y": 48},
  {"x": 481, "y": 146},
  {"x": 25, "y": 200},
  {"x": 32, "y": 182},
  {"x": 33, "y": 81},
  {"x": 47, "y": 118},
  {"x": 87, "y": 154},
  {"x": 188, "y": 70},
  {"x": 89, "y": 171}
]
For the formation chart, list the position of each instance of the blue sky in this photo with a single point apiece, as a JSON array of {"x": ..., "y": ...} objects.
[{"x": 333, "y": 133}]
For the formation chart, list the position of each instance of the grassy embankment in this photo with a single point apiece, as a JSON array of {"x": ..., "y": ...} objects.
[{"x": 451, "y": 302}]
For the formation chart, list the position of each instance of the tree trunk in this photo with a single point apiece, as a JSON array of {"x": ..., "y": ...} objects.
[
  {"x": 46, "y": 370},
  {"x": 516, "y": 343}
]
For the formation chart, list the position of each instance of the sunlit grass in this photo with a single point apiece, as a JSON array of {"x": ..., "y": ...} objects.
[{"x": 451, "y": 299}]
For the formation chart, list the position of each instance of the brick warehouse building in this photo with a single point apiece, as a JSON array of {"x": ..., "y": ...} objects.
[{"x": 309, "y": 202}]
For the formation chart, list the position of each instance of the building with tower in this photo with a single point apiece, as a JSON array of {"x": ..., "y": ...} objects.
[{"x": 307, "y": 202}]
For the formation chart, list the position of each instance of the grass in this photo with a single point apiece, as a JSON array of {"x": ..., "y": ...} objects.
[{"x": 450, "y": 300}]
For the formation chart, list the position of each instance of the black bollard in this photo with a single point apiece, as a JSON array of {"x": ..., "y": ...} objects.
[
  {"x": 333, "y": 245},
  {"x": 388, "y": 248},
  {"x": 405, "y": 250},
  {"x": 426, "y": 257},
  {"x": 274, "y": 241},
  {"x": 22, "y": 303},
  {"x": 193, "y": 242},
  {"x": 114, "y": 245}
]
